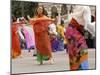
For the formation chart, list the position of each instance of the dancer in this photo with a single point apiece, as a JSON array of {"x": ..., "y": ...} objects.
[
  {"x": 61, "y": 36},
  {"x": 53, "y": 35},
  {"x": 40, "y": 25},
  {"x": 77, "y": 47},
  {"x": 16, "y": 50}
]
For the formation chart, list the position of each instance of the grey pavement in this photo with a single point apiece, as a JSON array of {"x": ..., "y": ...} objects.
[{"x": 28, "y": 64}]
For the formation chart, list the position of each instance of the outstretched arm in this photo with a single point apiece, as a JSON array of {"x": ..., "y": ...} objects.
[{"x": 90, "y": 26}]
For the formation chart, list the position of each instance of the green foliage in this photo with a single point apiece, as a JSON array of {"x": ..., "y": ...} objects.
[{"x": 23, "y": 8}]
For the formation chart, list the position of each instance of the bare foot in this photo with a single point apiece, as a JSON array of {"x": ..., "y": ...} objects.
[
  {"x": 41, "y": 63},
  {"x": 51, "y": 61}
]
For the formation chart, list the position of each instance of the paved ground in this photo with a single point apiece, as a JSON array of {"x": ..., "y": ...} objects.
[{"x": 27, "y": 63}]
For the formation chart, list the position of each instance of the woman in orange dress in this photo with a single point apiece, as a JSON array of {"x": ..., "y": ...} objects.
[
  {"x": 16, "y": 50},
  {"x": 40, "y": 26}
]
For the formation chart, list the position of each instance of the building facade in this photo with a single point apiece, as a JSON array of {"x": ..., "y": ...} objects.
[{"x": 61, "y": 9}]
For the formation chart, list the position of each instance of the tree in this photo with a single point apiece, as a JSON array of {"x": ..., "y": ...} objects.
[{"x": 23, "y": 8}]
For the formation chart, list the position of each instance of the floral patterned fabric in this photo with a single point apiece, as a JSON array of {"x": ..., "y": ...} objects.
[{"x": 77, "y": 47}]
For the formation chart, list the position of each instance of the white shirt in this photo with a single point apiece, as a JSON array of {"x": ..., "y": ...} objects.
[
  {"x": 52, "y": 28},
  {"x": 83, "y": 16},
  {"x": 20, "y": 33}
]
